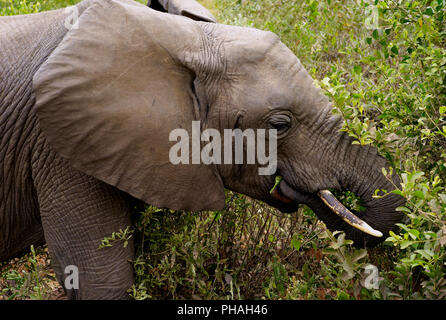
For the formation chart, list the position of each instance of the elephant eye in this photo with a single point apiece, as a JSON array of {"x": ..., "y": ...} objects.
[
  {"x": 280, "y": 127},
  {"x": 281, "y": 123}
]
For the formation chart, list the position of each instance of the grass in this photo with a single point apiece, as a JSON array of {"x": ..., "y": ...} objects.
[{"x": 388, "y": 82}]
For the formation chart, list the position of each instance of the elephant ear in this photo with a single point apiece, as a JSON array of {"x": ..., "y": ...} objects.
[
  {"x": 110, "y": 94},
  {"x": 188, "y": 8}
]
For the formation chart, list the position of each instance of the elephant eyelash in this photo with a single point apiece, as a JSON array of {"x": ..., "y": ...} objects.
[{"x": 281, "y": 126}]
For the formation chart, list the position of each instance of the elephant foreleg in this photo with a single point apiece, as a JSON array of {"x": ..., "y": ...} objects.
[{"x": 77, "y": 212}]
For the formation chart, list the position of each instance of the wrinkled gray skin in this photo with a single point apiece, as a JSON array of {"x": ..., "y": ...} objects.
[{"x": 84, "y": 122}]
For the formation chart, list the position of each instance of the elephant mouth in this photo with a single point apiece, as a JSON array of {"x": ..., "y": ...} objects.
[{"x": 287, "y": 195}]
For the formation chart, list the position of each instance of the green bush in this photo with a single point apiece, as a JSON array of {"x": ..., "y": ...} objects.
[
  {"x": 247, "y": 250},
  {"x": 15, "y": 7}
]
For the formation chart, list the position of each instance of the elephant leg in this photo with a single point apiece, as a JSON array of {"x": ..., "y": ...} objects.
[{"x": 77, "y": 212}]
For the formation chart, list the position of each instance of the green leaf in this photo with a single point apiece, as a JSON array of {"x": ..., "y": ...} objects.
[
  {"x": 415, "y": 234},
  {"x": 419, "y": 194},
  {"x": 415, "y": 176},
  {"x": 357, "y": 69},
  {"x": 429, "y": 11},
  {"x": 394, "y": 235},
  {"x": 398, "y": 192},
  {"x": 277, "y": 181},
  {"x": 272, "y": 238},
  {"x": 427, "y": 254},
  {"x": 406, "y": 243},
  {"x": 394, "y": 49},
  {"x": 358, "y": 255},
  {"x": 296, "y": 243},
  {"x": 404, "y": 209}
]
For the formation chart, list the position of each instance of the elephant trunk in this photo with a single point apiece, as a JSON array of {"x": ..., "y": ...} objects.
[{"x": 360, "y": 171}]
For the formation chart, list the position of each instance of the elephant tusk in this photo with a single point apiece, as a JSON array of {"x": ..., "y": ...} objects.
[{"x": 330, "y": 200}]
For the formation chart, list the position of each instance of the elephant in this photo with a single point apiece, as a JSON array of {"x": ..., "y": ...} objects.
[{"x": 89, "y": 96}]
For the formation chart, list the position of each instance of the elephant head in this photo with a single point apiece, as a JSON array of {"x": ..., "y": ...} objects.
[{"x": 111, "y": 93}]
